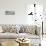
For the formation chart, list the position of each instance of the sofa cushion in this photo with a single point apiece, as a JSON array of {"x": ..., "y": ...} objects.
[{"x": 30, "y": 29}]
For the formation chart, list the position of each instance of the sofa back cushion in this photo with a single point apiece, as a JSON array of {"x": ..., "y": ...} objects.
[{"x": 30, "y": 29}]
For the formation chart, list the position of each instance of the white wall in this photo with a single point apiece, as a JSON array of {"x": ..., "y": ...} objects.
[{"x": 19, "y": 7}]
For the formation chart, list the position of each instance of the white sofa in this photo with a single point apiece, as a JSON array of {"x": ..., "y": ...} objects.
[{"x": 20, "y": 31}]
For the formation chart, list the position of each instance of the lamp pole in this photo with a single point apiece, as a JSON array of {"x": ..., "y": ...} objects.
[{"x": 42, "y": 26}]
